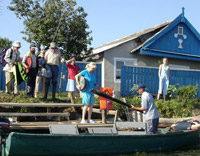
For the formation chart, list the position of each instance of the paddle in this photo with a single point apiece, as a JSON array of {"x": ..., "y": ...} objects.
[
  {"x": 61, "y": 77},
  {"x": 111, "y": 98}
]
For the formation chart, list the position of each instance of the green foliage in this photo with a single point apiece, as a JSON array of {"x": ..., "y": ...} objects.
[
  {"x": 175, "y": 108},
  {"x": 172, "y": 89},
  {"x": 181, "y": 106},
  {"x": 185, "y": 93},
  {"x": 60, "y": 21},
  {"x": 136, "y": 101},
  {"x": 121, "y": 109},
  {"x": 5, "y": 43},
  {"x": 134, "y": 86}
]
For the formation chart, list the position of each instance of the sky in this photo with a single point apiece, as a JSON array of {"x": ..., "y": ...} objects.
[{"x": 111, "y": 19}]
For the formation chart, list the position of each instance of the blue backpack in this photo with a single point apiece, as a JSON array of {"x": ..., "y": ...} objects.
[{"x": 3, "y": 53}]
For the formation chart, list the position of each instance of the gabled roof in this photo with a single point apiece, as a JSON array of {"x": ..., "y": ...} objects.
[
  {"x": 170, "y": 43},
  {"x": 129, "y": 38}
]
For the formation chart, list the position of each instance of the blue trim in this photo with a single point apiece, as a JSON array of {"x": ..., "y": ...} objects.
[
  {"x": 170, "y": 26},
  {"x": 146, "y": 50},
  {"x": 168, "y": 55}
]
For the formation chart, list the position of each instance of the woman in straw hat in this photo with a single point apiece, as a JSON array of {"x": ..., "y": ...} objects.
[{"x": 87, "y": 96}]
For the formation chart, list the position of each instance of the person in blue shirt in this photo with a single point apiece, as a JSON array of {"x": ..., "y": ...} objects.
[
  {"x": 87, "y": 96},
  {"x": 148, "y": 108}
]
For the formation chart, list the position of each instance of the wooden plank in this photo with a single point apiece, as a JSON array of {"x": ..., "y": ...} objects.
[
  {"x": 10, "y": 114},
  {"x": 43, "y": 105},
  {"x": 131, "y": 133},
  {"x": 73, "y": 122},
  {"x": 45, "y": 125},
  {"x": 130, "y": 125},
  {"x": 64, "y": 129},
  {"x": 110, "y": 112},
  {"x": 102, "y": 130}
]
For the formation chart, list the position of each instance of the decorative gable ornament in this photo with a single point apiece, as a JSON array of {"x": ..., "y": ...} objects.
[{"x": 180, "y": 33}]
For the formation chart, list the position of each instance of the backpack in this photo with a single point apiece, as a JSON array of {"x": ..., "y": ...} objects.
[{"x": 3, "y": 53}]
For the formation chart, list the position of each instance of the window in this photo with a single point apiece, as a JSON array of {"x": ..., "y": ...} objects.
[
  {"x": 180, "y": 30},
  {"x": 118, "y": 63}
]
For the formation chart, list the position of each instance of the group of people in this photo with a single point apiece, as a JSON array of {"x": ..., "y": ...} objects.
[
  {"x": 44, "y": 68},
  {"x": 50, "y": 60}
]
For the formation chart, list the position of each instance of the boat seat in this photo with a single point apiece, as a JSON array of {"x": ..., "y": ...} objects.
[
  {"x": 64, "y": 129},
  {"x": 131, "y": 128},
  {"x": 102, "y": 130}
]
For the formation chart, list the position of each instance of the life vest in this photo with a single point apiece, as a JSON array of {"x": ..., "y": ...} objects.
[{"x": 28, "y": 62}]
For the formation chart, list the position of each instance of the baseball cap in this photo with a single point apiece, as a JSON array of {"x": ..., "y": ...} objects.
[
  {"x": 140, "y": 85},
  {"x": 32, "y": 46}
]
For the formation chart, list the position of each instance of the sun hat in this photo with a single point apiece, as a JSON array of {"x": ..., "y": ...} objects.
[
  {"x": 17, "y": 44},
  {"x": 139, "y": 86},
  {"x": 52, "y": 45}
]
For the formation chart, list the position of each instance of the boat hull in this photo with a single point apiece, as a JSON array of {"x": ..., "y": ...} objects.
[{"x": 22, "y": 144}]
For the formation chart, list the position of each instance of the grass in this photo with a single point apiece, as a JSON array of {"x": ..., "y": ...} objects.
[{"x": 22, "y": 98}]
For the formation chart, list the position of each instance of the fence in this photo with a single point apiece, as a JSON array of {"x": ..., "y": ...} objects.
[
  {"x": 81, "y": 65},
  {"x": 149, "y": 77}
]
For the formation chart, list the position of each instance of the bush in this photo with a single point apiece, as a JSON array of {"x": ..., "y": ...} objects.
[
  {"x": 175, "y": 108},
  {"x": 185, "y": 93}
]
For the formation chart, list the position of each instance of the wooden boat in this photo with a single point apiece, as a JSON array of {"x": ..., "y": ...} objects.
[{"x": 24, "y": 144}]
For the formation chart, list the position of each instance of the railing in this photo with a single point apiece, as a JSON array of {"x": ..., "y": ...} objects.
[
  {"x": 81, "y": 65},
  {"x": 149, "y": 77}
]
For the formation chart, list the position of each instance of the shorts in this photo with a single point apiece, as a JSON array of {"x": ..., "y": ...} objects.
[
  {"x": 152, "y": 125},
  {"x": 87, "y": 99}
]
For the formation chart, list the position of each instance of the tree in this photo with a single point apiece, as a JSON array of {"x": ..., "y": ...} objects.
[
  {"x": 5, "y": 43},
  {"x": 55, "y": 20}
]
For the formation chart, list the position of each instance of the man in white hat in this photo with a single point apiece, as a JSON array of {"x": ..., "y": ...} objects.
[
  {"x": 12, "y": 57},
  {"x": 53, "y": 59}
]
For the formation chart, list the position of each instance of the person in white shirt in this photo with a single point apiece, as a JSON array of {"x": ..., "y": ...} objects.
[
  {"x": 12, "y": 56},
  {"x": 148, "y": 108},
  {"x": 53, "y": 58}
]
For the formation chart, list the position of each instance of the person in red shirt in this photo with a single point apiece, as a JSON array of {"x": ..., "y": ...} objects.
[{"x": 71, "y": 83}]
